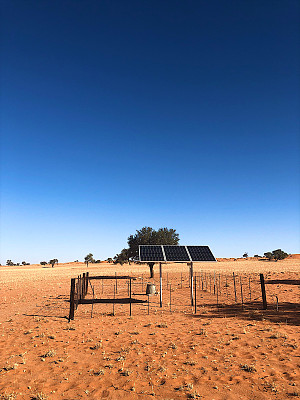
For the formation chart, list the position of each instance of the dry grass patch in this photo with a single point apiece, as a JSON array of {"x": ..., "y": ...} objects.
[
  {"x": 49, "y": 353},
  {"x": 9, "y": 396},
  {"x": 248, "y": 368},
  {"x": 39, "y": 396}
]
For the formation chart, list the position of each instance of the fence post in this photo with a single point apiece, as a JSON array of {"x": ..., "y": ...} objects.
[
  {"x": 130, "y": 296},
  {"x": 72, "y": 299},
  {"x": 214, "y": 282},
  {"x": 83, "y": 285},
  {"x": 234, "y": 287},
  {"x": 250, "y": 287},
  {"x": 87, "y": 282},
  {"x": 263, "y": 291},
  {"x": 242, "y": 293}
]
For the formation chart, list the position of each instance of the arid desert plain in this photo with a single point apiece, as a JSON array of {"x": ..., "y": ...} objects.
[{"x": 228, "y": 348}]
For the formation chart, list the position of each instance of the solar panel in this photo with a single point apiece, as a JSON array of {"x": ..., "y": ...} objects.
[
  {"x": 168, "y": 253},
  {"x": 176, "y": 253},
  {"x": 151, "y": 253},
  {"x": 200, "y": 253}
]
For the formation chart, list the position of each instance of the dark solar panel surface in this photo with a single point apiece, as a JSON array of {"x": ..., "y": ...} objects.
[
  {"x": 151, "y": 253},
  {"x": 176, "y": 253},
  {"x": 200, "y": 253}
]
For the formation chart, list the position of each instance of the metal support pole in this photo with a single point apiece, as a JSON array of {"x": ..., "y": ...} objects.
[
  {"x": 160, "y": 283},
  {"x": 192, "y": 284},
  {"x": 130, "y": 296},
  {"x": 196, "y": 294}
]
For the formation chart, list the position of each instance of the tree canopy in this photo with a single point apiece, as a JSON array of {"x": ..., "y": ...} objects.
[
  {"x": 148, "y": 235},
  {"x": 276, "y": 255},
  {"x": 122, "y": 257},
  {"x": 89, "y": 258},
  {"x": 53, "y": 261}
]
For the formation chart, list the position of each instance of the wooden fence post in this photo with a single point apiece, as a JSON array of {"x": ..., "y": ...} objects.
[
  {"x": 83, "y": 285},
  {"x": 72, "y": 299},
  {"x": 87, "y": 282},
  {"x": 263, "y": 291}
]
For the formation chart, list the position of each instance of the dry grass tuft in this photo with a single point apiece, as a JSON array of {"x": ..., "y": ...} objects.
[
  {"x": 163, "y": 325},
  {"x": 248, "y": 368},
  {"x": 99, "y": 372},
  {"x": 39, "y": 396},
  {"x": 96, "y": 346},
  {"x": 8, "y": 396},
  {"x": 49, "y": 353}
]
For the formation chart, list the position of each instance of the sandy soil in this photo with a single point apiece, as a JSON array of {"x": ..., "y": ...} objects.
[{"x": 224, "y": 350}]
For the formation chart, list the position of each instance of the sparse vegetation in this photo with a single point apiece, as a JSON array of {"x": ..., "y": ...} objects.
[
  {"x": 49, "y": 353},
  {"x": 89, "y": 259},
  {"x": 8, "y": 396},
  {"x": 39, "y": 396},
  {"x": 276, "y": 255},
  {"x": 53, "y": 261},
  {"x": 248, "y": 368}
]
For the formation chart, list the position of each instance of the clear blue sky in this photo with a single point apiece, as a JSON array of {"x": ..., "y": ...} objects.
[{"x": 121, "y": 114}]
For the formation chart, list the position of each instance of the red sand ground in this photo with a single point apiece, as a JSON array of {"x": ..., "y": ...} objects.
[{"x": 223, "y": 352}]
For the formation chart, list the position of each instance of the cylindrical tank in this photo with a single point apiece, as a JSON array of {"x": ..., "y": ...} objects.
[{"x": 150, "y": 289}]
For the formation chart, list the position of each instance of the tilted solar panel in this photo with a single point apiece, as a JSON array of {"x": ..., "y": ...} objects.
[
  {"x": 168, "y": 253},
  {"x": 200, "y": 253},
  {"x": 176, "y": 253},
  {"x": 151, "y": 253}
]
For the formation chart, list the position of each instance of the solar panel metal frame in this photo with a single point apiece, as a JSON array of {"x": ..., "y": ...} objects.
[
  {"x": 150, "y": 245},
  {"x": 175, "y": 261}
]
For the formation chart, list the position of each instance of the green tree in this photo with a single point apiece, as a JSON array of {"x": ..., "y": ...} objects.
[
  {"x": 43, "y": 262},
  {"x": 52, "y": 262},
  {"x": 24, "y": 263},
  {"x": 245, "y": 255},
  {"x": 148, "y": 235},
  {"x": 279, "y": 254},
  {"x": 89, "y": 258},
  {"x": 109, "y": 260},
  {"x": 269, "y": 255},
  {"x": 122, "y": 257},
  {"x": 9, "y": 263}
]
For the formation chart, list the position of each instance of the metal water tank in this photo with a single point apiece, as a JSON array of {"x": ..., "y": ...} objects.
[{"x": 150, "y": 289}]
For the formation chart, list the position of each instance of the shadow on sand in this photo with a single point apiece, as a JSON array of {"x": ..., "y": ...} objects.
[
  {"x": 111, "y": 301},
  {"x": 283, "y": 282},
  {"x": 288, "y": 313}
]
